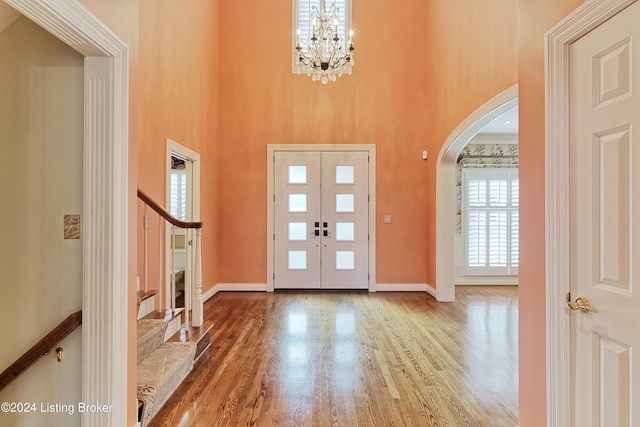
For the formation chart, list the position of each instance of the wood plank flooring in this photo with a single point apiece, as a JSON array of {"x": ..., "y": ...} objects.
[{"x": 355, "y": 359}]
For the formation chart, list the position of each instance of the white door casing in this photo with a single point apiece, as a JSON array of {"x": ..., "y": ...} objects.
[
  {"x": 605, "y": 65},
  {"x": 364, "y": 275},
  {"x": 321, "y": 220},
  {"x": 105, "y": 200},
  {"x": 193, "y": 215},
  {"x": 558, "y": 224}
]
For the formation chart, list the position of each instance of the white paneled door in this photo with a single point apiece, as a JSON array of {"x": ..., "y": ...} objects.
[
  {"x": 605, "y": 223},
  {"x": 321, "y": 220}
]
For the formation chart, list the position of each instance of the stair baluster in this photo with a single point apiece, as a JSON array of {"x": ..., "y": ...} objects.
[
  {"x": 145, "y": 227},
  {"x": 197, "y": 315},
  {"x": 163, "y": 297}
]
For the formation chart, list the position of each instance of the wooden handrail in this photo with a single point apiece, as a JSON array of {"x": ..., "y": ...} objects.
[
  {"x": 32, "y": 355},
  {"x": 165, "y": 214}
]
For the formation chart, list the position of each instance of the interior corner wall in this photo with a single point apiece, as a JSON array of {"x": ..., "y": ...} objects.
[
  {"x": 41, "y": 120},
  {"x": 178, "y": 87},
  {"x": 536, "y": 17},
  {"x": 473, "y": 56},
  {"x": 413, "y": 82}
]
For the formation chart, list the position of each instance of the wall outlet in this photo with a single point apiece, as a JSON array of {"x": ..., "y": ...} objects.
[{"x": 388, "y": 219}]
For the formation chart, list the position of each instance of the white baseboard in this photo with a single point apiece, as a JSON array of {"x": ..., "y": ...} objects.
[
  {"x": 262, "y": 287},
  {"x": 234, "y": 287},
  {"x": 432, "y": 291},
  {"x": 242, "y": 287},
  {"x": 486, "y": 280},
  {"x": 405, "y": 287}
]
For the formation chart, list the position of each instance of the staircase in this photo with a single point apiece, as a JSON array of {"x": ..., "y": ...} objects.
[{"x": 167, "y": 352}]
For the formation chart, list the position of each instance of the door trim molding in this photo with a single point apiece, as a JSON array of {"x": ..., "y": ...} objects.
[
  {"x": 557, "y": 231},
  {"x": 271, "y": 150},
  {"x": 194, "y": 158},
  {"x": 105, "y": 308}
]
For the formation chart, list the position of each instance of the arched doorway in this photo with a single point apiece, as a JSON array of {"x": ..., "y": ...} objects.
[{"x": 445, "y": 184}]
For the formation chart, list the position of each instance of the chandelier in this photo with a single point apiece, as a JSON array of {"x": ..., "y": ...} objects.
[{"x": 326, "y": 56}]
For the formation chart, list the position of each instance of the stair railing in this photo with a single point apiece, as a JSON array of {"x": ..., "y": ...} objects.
[
  {"x": 41, "y": 348},
  {"x": 197, "y": 314}
]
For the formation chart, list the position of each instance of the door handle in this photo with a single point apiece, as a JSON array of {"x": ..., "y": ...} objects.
[{"x": 582, "y": 304}]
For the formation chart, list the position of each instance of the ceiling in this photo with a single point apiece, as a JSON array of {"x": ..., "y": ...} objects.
[
  {"x": 505, "y": 124},
  {"x": 7, "y": 15}
]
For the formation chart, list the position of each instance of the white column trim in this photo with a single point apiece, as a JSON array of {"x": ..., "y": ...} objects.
[
  {"x": 105, "y": 207},
  {"x": 271, "y": 149},
  {"x": 558, "y": 258}
]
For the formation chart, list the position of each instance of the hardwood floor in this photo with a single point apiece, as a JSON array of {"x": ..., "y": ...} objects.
[{"x": 355, "y": 359}]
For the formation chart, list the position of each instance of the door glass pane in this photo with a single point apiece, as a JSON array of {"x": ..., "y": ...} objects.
[
  {"x": 297, "y": 174},
  {"x": 297, "y": 260},
  {"x": 297, "y": 231},
  {"x": 345, "y": 231},
  {"x": 345, "y": 260},
  {"x": 297, "y": 202},
  {"x": 345, "y": 203},
  {"x": 345, "y": 174}
]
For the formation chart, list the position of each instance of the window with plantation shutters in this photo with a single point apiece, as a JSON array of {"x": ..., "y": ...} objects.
[
  {"x": 179, "y": 194},
  {"x": 302, "y": 22},
  {"x": 491, "y": 221}
]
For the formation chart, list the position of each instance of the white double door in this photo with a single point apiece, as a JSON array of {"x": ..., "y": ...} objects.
[{"x": 321, "y": 207}]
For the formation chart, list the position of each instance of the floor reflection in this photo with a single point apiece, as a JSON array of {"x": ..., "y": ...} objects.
[
  {"x": 492, "y": 345},
  {"x": 356, "y": 359},
  {"x": 320, "y": 340}
]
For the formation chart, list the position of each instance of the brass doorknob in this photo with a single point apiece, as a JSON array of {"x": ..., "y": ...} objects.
[{"x": 582, "y": 304}]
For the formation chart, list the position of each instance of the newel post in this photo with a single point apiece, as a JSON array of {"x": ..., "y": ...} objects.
[{"x": 197, "y": 313}]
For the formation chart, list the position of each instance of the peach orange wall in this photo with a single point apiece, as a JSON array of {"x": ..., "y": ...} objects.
[
  {"x": 262, "y": 102},
  {"x": 178, "y": 100},
  {"x": 473, "y": 54},
  {"x": 121, "y": 16},
  {"x": 535, "y": 18},
  {"x": 400, "y": 78}
]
